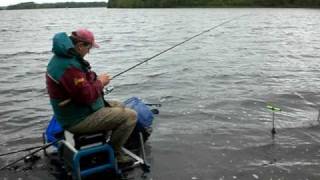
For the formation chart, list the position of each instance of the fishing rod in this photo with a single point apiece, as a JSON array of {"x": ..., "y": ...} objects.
[
  {"x": 178, "y": 44},
  {"x": 30, "y": 154},
  {"x": 21, "y": 150}
]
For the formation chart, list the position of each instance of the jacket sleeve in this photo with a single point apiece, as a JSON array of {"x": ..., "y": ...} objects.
[{"x": 83, "y": 88}]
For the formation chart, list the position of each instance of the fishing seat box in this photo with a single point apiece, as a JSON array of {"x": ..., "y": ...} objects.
[{"x": 88, "y": 154}]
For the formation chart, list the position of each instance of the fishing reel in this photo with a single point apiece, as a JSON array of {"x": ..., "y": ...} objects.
[
  {"x": 109, "y": 89},
  {"x": 31, "y": 158}
]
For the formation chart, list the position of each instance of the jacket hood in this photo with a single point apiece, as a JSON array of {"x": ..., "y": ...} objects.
[{"x": 61, "y": 44}]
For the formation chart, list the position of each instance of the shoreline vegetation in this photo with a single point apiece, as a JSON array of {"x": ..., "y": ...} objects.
[
  {"x": 172, "y": 4},
  {"x": 213, "y": 3},
  {"x": 32, "y": 5}
]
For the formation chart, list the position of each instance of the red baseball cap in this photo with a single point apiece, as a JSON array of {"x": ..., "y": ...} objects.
[{"x": 85, "y": 35}]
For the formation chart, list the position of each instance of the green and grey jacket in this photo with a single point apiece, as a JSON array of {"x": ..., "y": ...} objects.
[{"x": 73, "y": 88}]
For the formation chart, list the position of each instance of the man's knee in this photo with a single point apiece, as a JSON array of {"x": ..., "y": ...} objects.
[{"x": 132, "y": 116}]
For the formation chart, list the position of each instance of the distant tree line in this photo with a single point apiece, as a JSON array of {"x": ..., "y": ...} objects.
[
  {"x": 170, "y": 4},
  {"x": 211, "y": 3},
  {"x": 32, "y": 5}
]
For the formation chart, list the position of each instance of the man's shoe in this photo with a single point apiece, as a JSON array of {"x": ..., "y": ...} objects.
[{"x": 124, "y": 160}]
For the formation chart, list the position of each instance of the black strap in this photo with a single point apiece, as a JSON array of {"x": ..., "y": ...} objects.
[{"x": 106, "y": 104}]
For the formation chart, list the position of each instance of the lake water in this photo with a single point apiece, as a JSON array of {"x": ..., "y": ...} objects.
[{"x": 213, "y": 123}]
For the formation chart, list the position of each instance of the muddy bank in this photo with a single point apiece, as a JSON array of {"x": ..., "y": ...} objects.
[{"x": 217, "y": 155}]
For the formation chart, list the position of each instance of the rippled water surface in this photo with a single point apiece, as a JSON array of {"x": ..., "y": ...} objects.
[{"x": 214, "y": 123}]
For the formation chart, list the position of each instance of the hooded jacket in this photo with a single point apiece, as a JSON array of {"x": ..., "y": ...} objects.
[{"x": 73, "y": 88}]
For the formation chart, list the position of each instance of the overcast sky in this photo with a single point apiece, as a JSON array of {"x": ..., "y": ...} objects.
[{"x": 11, "y": 2}]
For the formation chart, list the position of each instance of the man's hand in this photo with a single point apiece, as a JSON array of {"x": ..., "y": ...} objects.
[{"x": 104, "y": 78}]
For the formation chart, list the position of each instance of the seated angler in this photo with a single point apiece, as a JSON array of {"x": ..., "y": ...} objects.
[{"x": 76, "y": 92}]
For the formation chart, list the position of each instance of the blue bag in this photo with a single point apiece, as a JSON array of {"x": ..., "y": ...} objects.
[
  {"x": 53, "y": 131},
  {"x": 144, "y": 122},
  {"x": 144, "y": 115}
]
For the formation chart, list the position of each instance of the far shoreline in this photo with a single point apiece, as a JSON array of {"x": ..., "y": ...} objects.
[
  {"x": 215, "y": 7},
  {"x": 111, "y": 5},
  {"x": 59, "y": 5}
]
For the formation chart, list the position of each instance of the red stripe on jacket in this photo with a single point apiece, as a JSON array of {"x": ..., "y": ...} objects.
[{"x": 81, "y": 87}]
